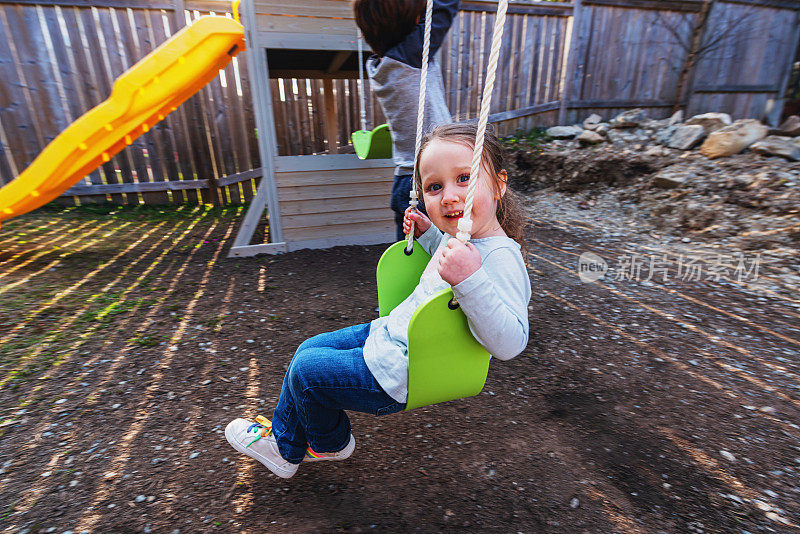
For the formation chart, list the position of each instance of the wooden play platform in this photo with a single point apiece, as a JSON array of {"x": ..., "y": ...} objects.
[{"x": 312, "y": 201}]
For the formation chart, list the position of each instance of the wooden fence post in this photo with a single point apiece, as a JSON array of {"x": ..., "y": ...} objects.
[
  {"x": 569, "y": 71},
  {"x": 773, "y": 116},
  {"x": 687, "y": 76},
  {"x": 180, "y": 17},
  {"x": 332, "y": 121}
]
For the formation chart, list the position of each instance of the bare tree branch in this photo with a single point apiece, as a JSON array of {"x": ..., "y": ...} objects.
[
  {"x": 725, "y": 33},
  {"x": 697, "y": 36},
  {"x": 674, "y": 30}
]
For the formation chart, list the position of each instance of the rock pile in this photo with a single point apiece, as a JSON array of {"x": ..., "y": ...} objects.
[
  {"x": 715, "y": 133},
  {"x": 706, "y": 178}
]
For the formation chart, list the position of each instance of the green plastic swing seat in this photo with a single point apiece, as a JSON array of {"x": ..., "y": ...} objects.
[
  {"x": 373, "y": 144},
  {"x": 445, "y": 362}
]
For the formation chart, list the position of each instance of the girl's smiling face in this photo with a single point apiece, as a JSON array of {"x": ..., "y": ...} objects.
[{"x": 445, "y": 174}]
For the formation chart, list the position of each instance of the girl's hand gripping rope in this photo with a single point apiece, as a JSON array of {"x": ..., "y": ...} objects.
[
  {"x": 421, "y": 222},
  {"x": 458, "y": 262}
]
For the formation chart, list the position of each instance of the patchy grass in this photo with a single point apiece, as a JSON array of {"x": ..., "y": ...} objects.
[
  {"x": 148, "y": 340},
  {"x": 9, "y": 510},
  {"x": 532, "y": 139},
  {"x": 69, "y": 295},
  {"x": 16, "y": 348},
  {"x": 101, "y": 212},
  {"x": 114, "y": 306},
  {"x": 211, "y": 323}
]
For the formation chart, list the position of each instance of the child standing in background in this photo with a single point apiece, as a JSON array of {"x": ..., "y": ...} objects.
[{"x": 395, "y": 29}]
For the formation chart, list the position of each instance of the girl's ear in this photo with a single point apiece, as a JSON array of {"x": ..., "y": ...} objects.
[{"x": 503, "y": 176}]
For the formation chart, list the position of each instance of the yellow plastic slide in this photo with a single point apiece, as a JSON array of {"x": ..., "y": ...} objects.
[{"x": 141, "y": 97}]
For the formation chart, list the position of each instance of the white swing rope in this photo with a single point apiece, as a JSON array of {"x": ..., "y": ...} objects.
[
  {"x": 423, "y": 84},
  {"x": 465, "y": 223},
  {"x": 363, "y": 111}
]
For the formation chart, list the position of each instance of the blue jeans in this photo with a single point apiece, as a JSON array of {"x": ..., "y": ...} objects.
[
  {"x": 327, "y": 376},
  {"x": 399, "y": 202}
]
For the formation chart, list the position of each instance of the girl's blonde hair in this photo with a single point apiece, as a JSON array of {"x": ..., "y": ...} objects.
[{"x": 510, "y": 214}]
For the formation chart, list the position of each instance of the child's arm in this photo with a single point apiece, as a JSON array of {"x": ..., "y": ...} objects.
[
  {"x": 495, "y": 299},
  {"x": 424, "y": 231},
  {"x": 409, "y": 50}
]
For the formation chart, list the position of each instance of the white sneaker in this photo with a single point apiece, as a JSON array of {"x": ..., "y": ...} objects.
[
  {"x": 256, "y": 441},
  {"x": 343, "y": 454}
]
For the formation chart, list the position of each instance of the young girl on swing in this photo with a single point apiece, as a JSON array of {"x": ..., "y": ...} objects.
[{"x": 365, "y": 367}]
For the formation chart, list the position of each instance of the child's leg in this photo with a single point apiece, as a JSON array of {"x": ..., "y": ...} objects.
[
  {"x": 327, "y": 376},
  {"x": 289, "y": 432}
]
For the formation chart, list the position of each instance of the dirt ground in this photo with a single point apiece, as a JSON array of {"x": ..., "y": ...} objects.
[{"x": 128, "y": 340}]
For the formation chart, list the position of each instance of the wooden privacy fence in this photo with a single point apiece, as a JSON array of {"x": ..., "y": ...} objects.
[
  {"x": 58, "y": 61},
  {"x": 559, "y": 63}
]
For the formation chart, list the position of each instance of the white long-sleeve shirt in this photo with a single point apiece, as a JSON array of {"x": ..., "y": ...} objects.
[{"x": 494, "y": 298}]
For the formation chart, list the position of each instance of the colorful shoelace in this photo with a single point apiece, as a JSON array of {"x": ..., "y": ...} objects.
[{"x": 265, "y": 426}]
